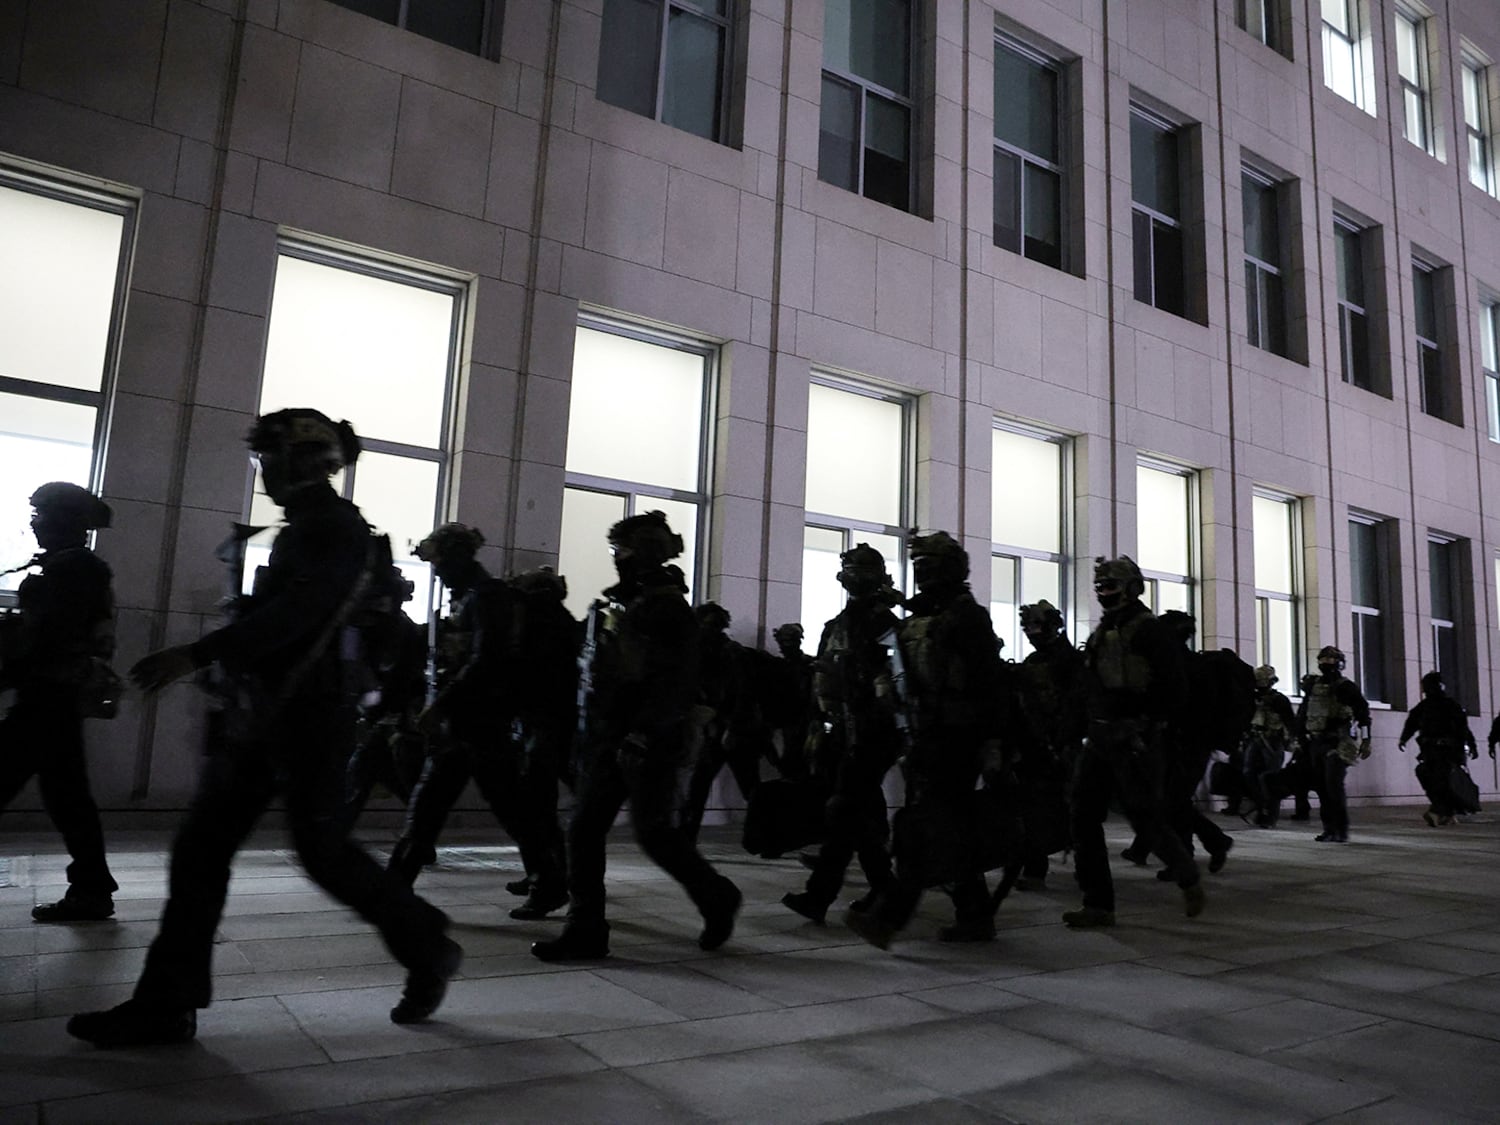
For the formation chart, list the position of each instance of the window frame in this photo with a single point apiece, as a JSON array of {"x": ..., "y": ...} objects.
[
  {"x": 1344, "y": 226},
  {"x": 1063, "y": 558},
  {"x": 866, "y": 89},
  {"x": 1457, "y": 678},
  {"x": 1430, "y": 346},
  {"x": 1156, "y": 218},
  {"x": 1359, "y": 612},
  {"x": 1270, "y": 23},
  {"x": 726, "y": 21},
  {"x": 1058, "y": 168},
  {"x": 1350, "y": 39},
  {"x": 101, "y": 401},
  {"x": 1416, "y": 88},
  {"x": 1294, "y": 598},
  {"x": 1193, "y": 580},
  {"x": 1489, "y": 363},
  {"x": 489, "y": 35},
  {"x": 633, "y": 492},
  {"x": 1478, "y": 130},
  {"x": 1257, "y": 299}
]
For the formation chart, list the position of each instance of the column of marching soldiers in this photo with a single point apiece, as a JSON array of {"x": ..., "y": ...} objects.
[{"x": 324, "y": 690}]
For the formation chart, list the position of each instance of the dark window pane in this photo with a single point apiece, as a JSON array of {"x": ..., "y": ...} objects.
[
  {"x": 629, "y": 43},
  {"x": 1445, "y": 646},
  {"x": 1252, "y": 304},
  {"x": 1140, "y": 229},
  {"x": 1354, "y": 333},
  {"x": 1043, "y": 216},
  {"x": 1273, "y": 313},
  {"x": 1153, "y": 166},
  {"x": 1364, "y": 564},
  {"x": 1007, "y": 200},
  {"x": 1434, "y": 398},
  {"x": 1166, "y": 253},
  {"x": 1370, "y": 633},
  {"x": 1351, "y": 269},
  {"x": 1425, "y": 302},
  {"x": 869, "y": 39},
  {"x": 838, "y": 134},
  {"x": 707, "y": 7},
  {"x": 458, "y": 23},
  {"x": 387, "y": 11},
  {"x": 1440, "y": 580},
  {"x": 695, "y": 60},
  {"x": 1262, "y": 232},
  {"x": 887, "y": 143},
  {"x": 1025, "y": 103}
]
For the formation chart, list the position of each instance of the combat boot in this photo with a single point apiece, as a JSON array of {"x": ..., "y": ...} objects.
[
  {"x": 719, "y": 914},
  {"x": 541, "y": 902},
  {"x": 972, "y": 930},
  {"x": 869, "y": 926},
  {"x": 804, "y": 904},
  {"x": 135, "y": 1023},
  {"x": 75, "y": 908},
  {"x": 426, "y": 987},
  {"x": 1088, "y": 918},
  {"x": 579, "y": 941}
]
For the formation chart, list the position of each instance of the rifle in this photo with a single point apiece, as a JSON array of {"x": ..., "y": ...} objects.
[
  {"x": 901, "y": 711},
  {"x": 586, "y": 656}
]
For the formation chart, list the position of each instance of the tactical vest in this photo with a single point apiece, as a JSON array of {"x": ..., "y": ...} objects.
[
  {"x": 1114, "y": 659},
  {"x": 1267, "y": 720},
  {"x": 1326, "y": 713}
]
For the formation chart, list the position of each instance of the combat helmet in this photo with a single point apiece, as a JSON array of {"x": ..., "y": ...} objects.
[
  {"x": 449, "y": 542},
  {"x": 71, "y": 505},
  {"x": 937, "y": 557},
  {"x": 648, "y": 537}
]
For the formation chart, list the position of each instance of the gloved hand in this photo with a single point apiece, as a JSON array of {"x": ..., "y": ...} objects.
[
  {"x": 153, "y": 672},
  {"x": 1401, "y": 746},
  {"x": 1364, "y": 748}
]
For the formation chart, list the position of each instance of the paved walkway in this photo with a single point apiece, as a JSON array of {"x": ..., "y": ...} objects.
[{"x": 1323, "y": 983}]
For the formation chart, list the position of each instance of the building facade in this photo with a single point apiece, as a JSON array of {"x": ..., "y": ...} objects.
[{"x": 1215, "y": 283}]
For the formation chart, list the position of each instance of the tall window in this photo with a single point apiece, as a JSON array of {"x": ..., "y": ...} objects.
[
  {"x": 639, "y": 411},
  {"x": 1354, "y": 317},
  {"x": 1156, "y": 210},
  {"x": 1413, "y": 70},
  {"x": 1343, "y": 62},
  {"x": 376, "y": 344},
  {"x": 469, "y": 25},
  {"x": 1265, "y": 283},
  {"x": 1438, "y": 398},
  {"x": 865, "y": 120},
  {"x": 1277, "y": 584},
  {"x": 1477, "y": 125},
  {"x": 1264, "y": 20},
  {"x": 1028, "y": 528},
  {"x": 1445, "y": 583},
  {"x": 1166, "y": 499},
  {"x": 1369, "y": 575},
  {"x": 61, "y": 287},
  {"x": 1489, "y": 351},
  {"x": 667, "y": 60},
  {"x": 1030, "y": 207},
  {"x": 858, "y": 491}
]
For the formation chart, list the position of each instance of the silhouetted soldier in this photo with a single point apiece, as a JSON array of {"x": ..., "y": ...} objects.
[
  {"x": 1331, "y": 708},
  {"x": 1135, "y": 684},
  {"x": 852, "y": 741},
  {"x": 785, "y": 693},
  {"x": 639, "y": 687},
  {"x": 468, "y": 724},
  {"x": 55, "y": 653},
  {"x": 951, "y": 665},
  {"x": 1047, "y": 736},
  {"x": 1265, "y": 746},
  {"x": 293, "y": 730},
  {"x": 729, "y": 731},
  {"x": 1441, "y": 727}
]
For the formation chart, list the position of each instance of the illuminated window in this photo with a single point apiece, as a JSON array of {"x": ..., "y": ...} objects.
[
  {"x": 865, "y": 116},
  {"x": 1413, "y": 71},
  {"x": 1371, "y": 577},
  {"x": 1489, "y": 351},
  {"x": 1277, "y": 584},
  {"x": 1477, "y": 125},
  {"x": 1028, "y": 529},
  {"x": 61, "y": 287},
  {"x": 1450, "y": 611},
  {"x": 1167, "y": 535},
  {"x": 1345, "y": 52},
  {"x": 1265, "y": 20},
  {"x": 858, "y": 449},
  {"x": 636, "y": 424},
  {"x": 667, "y": 60},
  {"x": 377, "y": 345}
]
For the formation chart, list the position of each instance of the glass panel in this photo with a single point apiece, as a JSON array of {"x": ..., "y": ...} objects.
[
  {"x": 869, "y": 39},
  {"x": 1364, "y": 565},
  {"x": 1041, "y": 579},
  {"x": 887, "y": 161},
  {"x": 1492, "y": 404},
  {"x": 1351, "y": 270},
  {"x": 1414, "y": 126},
  {"x": 1153, "y": 166},
  {"x": 1369, "y": 632},
  {"x": 1043, "y": 216},
  {"x": 1440, "y": 580},
  {"x": 1408, "y": 48},
  {"x": 854, "y": 456},
  {"x": 1169, "y": 285},
  {"x": 583, "y": 550},
  {"x": 1280, "y": 646},
  {"x": 1162, "y": 521},
  {"x": 1273, "y": 313},
  {"x": 625, "y": 389},
  {"x": 1489, "y": 341},
  {"x": 458, "y": 23},
  {"x": 1140, "y": 234},
  {"x": 1338, "y": 66},
  {"x": 1336, "y": 13},
  {"x": 1252, "y": 305},
  {"x": 1425, "y": 302},
  {"x": 892, "y": 548},
  {"x": 1003, "y": 606},
  {"x": 695, "y": 62},
  {"x": 1025, "y": 103},
  {"x": 628, "y": 69},
  {"x": 1262, "y": 225},
  {"x": 838, "y": 134},
  {"x": 398, "y": 495},
  {"x": 1273, "y": 545},
  {"x": 1173, "y": 595},
  {"x": 40, "y": 441},
  {"x": 1434, "y": 390},
  {"x": 1355, "y": 336},
  {"x": 1472, "y": 100},
  {"x": 822, "y": 596},
  {"x": 57, "y": 289},
  {"x": 1007, "y": 200},
  {"x": 707, "y": 7},
  {"x": 364, "y": 348},
  {"x": 1445, "y": 649},
  {"x": 1025, "y": 492},
  {"x": 1479, "y": 162},
  {"x": 385, "y": 10},
  {"x": 683, "y": 519}
]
